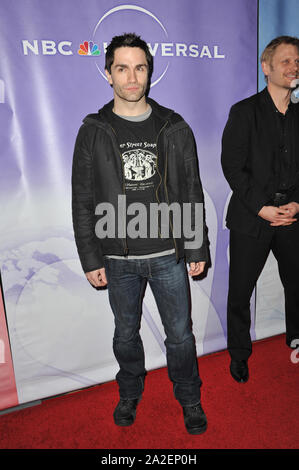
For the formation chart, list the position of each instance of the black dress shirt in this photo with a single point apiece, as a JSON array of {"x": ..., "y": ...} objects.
[{"x": 287, "y": 144}]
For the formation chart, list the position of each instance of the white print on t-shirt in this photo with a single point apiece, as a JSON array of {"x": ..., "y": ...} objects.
[
  {"x": 139, "y": 164},
  {"x": 145, "y": 145}
]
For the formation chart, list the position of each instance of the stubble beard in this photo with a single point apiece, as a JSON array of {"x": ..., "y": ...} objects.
[
  {"x": 131, "y": 97},
  {"x": 286, "y": 86}
]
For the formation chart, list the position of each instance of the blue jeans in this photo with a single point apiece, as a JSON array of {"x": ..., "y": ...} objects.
[{"x": 169, "y": 283}]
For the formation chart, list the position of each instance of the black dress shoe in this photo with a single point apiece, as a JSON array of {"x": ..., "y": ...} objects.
[
  {"x": 195, "y": 419},
  {"x": 239, "y": 370},
  {"x": 125, "y": 412}
]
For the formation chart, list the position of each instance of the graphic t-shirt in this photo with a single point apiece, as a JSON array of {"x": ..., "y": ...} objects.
[{"x": 137, "y": 141}]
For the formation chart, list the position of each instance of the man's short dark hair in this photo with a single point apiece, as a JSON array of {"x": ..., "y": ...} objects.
[{"x": 128, "y": 40}]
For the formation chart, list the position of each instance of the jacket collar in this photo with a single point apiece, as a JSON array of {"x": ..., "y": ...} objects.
[{"x": 162, "y": 113}]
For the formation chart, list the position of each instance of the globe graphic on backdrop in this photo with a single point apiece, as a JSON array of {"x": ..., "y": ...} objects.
[{"x": 46, "y": 289}]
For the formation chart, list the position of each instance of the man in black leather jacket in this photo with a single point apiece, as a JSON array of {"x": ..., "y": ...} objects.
[{"x": 136, "y": 153}]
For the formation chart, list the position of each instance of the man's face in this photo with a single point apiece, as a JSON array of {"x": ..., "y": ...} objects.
[
  {"x": 284, "y": 66},
  {"x": 129, "y": 74}
]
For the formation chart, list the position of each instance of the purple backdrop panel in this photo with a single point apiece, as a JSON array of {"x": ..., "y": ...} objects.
[{"x": 51, "y": 76}]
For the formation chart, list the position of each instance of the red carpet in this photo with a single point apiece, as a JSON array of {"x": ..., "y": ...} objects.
[{"x": 261, "y": 414}]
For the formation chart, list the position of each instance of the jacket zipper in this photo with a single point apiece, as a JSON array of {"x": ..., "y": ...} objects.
[
  {"x": 166, "y": 192},
  {"x": 126, "y": 249},
  {"x": 174, "y": 241}
]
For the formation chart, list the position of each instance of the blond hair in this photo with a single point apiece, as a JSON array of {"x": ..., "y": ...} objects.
[{"x": 269, "y": 50}]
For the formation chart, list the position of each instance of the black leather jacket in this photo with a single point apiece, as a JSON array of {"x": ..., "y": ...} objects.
[{"x": 97, "y": 177}]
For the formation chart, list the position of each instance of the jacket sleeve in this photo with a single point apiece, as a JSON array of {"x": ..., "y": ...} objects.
[
  {"x": 235, "y": 160},
  {"x": 83, "y": 207},
  {"x": 195, "y": 195}
]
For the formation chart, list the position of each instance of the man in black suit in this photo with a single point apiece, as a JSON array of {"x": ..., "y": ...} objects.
[{"x": 260, "y": 160}]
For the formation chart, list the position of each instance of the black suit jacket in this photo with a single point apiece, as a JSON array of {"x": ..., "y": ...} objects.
[{"x": 250, "y": 153}]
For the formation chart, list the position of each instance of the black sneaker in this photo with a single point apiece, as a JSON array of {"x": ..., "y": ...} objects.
[
  {"x": 125, "y": 412},
  {"x": 195, "y": 419}
]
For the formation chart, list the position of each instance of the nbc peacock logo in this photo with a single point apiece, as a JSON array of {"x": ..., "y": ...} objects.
[{"x": 89, "y": 48}]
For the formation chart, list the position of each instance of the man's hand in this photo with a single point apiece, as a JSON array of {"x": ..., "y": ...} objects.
[
  {"x": 196, "y": 268},
  {"x": 292, "y": 208},
  {"x": 277, "y": 216},
  {"x": 97, "y": 278}
]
